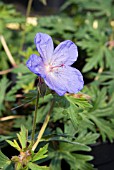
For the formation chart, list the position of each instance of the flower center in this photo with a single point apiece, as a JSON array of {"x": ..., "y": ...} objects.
[{"x": 51, "y": 68}]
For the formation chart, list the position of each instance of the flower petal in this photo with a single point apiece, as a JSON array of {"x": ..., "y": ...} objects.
[
  {"x": 65, "y": 53},
  {"x": 44, "y": 46},
  {"x": 35, "y": 65},
  {"x": 65, "y": 79}
]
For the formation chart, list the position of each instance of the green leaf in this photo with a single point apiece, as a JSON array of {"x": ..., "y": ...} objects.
[
  {"x": 77, "y": 146},
  {"x": 101, "y": 113},
  {"x": 9, "y": 167},
  {"x": 4, "y": 83},
  {"x": 61, "y": 101},
  {"x": 20, "y": 69},
  {"x": 91, "y": 63},
  {"x": 87, "y": 138},
  {"x": 76, "y": 161},
  {"x": 3, "y": 138},
  {"x": 82, "y": 162},
  {"x": 74, "y": 109},
  {"x": 79, "y": 101},
  {"x": 55, "y": 164},
  {"x": 23, "y": 136},
  {"x": 18, "y": 166},
  {"x": 104, "y": 127},
  {"x": 4, "y": 160},
  {"x": 73, "y": 114},
  {"x": 65, "y": 140},
  {"x": 40, "y": 154},
  {"x": 33, "y": 166},
  {"x": 14, "y": 144}
]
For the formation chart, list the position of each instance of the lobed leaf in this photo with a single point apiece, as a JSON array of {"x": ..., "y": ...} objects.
[
  {"x": 14, "y": 144},
  {"x": 23, "y": 136},
  {"x": 42, "y": 153}
]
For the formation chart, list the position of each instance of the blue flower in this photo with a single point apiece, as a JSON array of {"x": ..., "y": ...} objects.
[{"x": 54, "y": 66}]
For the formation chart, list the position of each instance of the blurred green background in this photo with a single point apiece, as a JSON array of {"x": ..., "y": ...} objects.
[{"x": 90, "y": 25}]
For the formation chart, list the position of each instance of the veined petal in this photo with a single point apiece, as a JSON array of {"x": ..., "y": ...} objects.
[
  {"x": 65, "y": 53},
  {"x": 44, "y": 46},
  {"x": 65, "y": 79},
  {"x": 54, "y": 65},
  {"x": 35, "y": 65}
]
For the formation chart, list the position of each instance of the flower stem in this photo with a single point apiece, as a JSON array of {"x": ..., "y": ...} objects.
[
  {"x": 43, "y": 126},
  {"x": 34, "y": 119}
]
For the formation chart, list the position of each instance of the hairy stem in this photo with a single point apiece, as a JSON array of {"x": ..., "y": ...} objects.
[{"x": 43, "y": 126}]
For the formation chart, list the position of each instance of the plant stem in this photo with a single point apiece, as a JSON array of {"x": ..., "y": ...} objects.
[
  {"x": 24, "y": 31},
  {"x": 28, "y": 8},
  {"x": 34, "y": 119},
  {"x": 43, "y": 126}
]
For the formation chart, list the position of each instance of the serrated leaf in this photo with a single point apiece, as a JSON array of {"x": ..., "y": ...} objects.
[
  {"x": 87, "y": 138},
  {"x": 75, "y": 161},
  {"x": 33, "y": 166},
  {"x": 91, "y": 63},
  {"x": 40, "y": 154},
  {"x": 23, "y": 136},
  {"x": 14, "y": 144},
  {"x": 79, "y": 101},
  {"x": 104, "y": 128}
]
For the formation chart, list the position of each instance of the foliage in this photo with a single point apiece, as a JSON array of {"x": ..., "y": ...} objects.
[
  {"x": 77, "y": 121},
  {"x": 27, "y": 157}
]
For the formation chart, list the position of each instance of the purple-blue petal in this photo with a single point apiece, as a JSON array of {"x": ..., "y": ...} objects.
[
  {"x": 36, "y": 65},
  {"x": 66, "y": 53},
  {"x": 65, "y": 79},
  {"x": 44, "y": 46}
]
